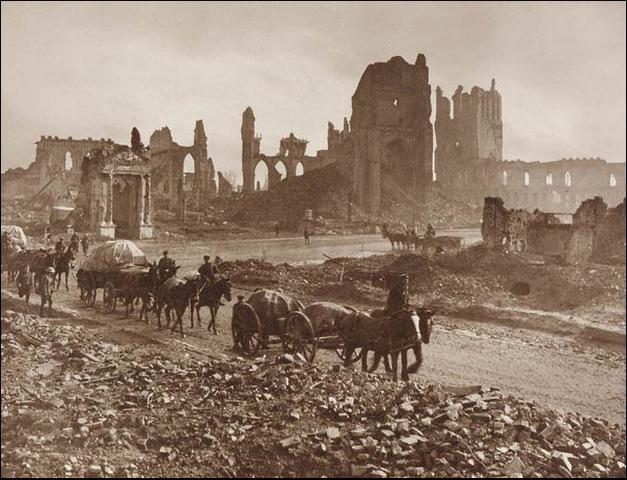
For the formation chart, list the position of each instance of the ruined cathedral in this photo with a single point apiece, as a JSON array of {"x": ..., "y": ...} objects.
[{"x": 388, "y": 145}]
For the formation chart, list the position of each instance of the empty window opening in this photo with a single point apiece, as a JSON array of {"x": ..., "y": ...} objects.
[
  {"x": 68, "y": 161},
  {"x": 568, "y": 181},
  {"x": 281, "y": 170},
  {"x": 526, "y": 179},
  {"x": 395, "y": 103},
  {"x": 188, "y": 172},
  {"x": 300, "y": 169},
  {"x": 549, "y": 179},
  {"x": 261, "y": 176},
  {"x": 504, "y": 178},
  {"x": 612, "y": 180}
]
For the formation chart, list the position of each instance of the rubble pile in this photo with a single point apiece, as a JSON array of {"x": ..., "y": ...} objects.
[
  {"x": 473, "y": 276},
  {"x": 136, "y": 411}
]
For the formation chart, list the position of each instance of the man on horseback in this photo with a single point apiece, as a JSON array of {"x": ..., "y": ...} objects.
[
  {"x": 430, "y": 233},
  {"x": 165, "y": 265},
  {"x": 60, "y": 246},
  {"x": 6, "y": 241},
  {"x": 207, "y": 270},
  {"x": 398, "y": 295}
]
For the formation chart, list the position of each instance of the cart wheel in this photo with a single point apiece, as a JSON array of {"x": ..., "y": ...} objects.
[
  {"x": 108, "y": 296},
  {"x": 357, "y": 354},
  {"x": 299, "y": 336},
  {"x": 246, "y": 330}
]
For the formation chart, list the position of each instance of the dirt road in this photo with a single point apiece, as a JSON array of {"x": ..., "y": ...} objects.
[
  {"x": 278, "y": 250},
  {"x": 561, "y": 372}
]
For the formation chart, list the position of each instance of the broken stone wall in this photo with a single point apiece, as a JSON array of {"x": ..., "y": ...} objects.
[
  {"x": 548, "y": 239},
  {"x": 225, "y": 188},
  {"x": 609, "y": 241},
  {"x": 494, "y": 223}
]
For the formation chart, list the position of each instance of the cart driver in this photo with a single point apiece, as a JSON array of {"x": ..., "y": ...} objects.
[
  {"x": 165, "y": 264},
  {"x": 207, "y": 270},
  {"x": 398, "y": 295}
]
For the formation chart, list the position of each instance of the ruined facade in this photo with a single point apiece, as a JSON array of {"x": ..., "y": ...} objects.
[
  {"x": 594, "y": 234},
  {"x": 388, "y": 144},
  {"x": 114, "y": 197},
  {"x": 469, "y": 161},
  {"x": 54, "y": 158},
  {"x": 171, "y": 185},
  {"x": 291, "y": 153},
  {"x": 225, "y": 188}
]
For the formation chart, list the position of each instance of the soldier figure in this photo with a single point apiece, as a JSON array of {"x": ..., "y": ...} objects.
[
  {"x": 85, "y": 244},
  {"x": 164, "y": 265},
  {"x": 207, "y": 270},
  {"x": 59, "y": 246},
  {"x": 430, "y": 233},
  {"x": 398, "y": 295}
]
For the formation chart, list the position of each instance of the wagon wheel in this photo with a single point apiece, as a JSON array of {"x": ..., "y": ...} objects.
[
  {"x": 299, "y": 336},
  {"x": 357, "y": 354},
  {"x": 246, "y": 329},
  {"x": 108, "y": 296}
]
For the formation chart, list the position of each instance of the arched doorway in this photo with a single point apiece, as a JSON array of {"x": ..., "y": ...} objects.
[
  {"x": 69, "y": 162},
  {"x": 300, "y": 170},
  {"x": 189, "y": 169},
  {"x": 260, "y": 180},
  {"x": 123, "y": 206},
  {"x": 568, "y": 181}
]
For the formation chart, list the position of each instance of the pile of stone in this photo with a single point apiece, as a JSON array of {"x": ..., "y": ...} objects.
[{"x": 130, "y": 411}]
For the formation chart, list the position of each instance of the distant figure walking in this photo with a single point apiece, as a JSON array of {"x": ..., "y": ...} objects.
[
  {"x": 85, "y": 244},
  {"x": 276, "y": 229},
  {"x": 306, "y": 235},
  {"x": 47, "y": 236}
]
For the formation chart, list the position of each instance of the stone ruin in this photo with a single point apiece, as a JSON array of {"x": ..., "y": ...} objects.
[
  {"x": 596, "y": 233},
  {"x": 115, "y": 194}
]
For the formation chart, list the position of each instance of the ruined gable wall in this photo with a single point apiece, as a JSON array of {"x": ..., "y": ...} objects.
[{"x": 49, "y": 161}]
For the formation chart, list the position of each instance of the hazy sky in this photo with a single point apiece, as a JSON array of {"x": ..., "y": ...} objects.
[{"x": 96, "y": 69}]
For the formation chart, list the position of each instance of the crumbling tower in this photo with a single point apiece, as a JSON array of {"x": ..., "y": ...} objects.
[
  {"x": 392, "y": 133},
  {"x": 250, "y": 149},
  {"x": 470, "y": 140}
]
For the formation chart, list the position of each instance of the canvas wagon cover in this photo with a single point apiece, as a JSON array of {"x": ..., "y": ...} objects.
[
  {"x": 17, "y": 234},
  {"x": 270, "y": 304},
  {"x": 114, "y": 254}
]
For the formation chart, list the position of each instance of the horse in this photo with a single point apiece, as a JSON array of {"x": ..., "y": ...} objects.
[
  {"x": 175, "y": 293},
  {"x": 63, "y": 263},
  {"x": 154, "y": 280},
  {"x": 396, "y": 239},
  {"x": 209, "y": 295},
  {"x": 388, "y": 335}
]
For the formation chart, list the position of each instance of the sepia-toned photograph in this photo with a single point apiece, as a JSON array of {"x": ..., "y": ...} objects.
[{"x": 313, "y": 239}]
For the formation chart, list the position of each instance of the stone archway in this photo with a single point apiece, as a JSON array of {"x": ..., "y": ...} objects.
[
  {"x": 260, "y": 176},
  {"x": 124, "y": 204}
]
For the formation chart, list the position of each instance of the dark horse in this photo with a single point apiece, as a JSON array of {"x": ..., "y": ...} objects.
[
  {"x": 209, "y": 295},
  {"x": 63, "y": 263},
  {"x": 175, "y": 293},
  {"x": 425, "y": 325}
]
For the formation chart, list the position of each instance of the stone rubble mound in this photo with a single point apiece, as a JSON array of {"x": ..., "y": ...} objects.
[{"x": 73, "y": 405}]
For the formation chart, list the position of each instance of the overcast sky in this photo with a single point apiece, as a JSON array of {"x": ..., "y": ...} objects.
[{"x": 96, "y": 69}]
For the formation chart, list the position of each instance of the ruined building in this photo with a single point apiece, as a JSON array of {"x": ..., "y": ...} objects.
[
  {"x": 291, "y": 154},
  {"x": 595, "y": 232},
  {"x": 114, "y": 199},
  {"x": 55, "y": 159},
  {"x": 388, "y": 143},
  {"x": 58, "y": 168},
  {"x": 469, "y": 161},
  {"x": 171, "y": 184}
]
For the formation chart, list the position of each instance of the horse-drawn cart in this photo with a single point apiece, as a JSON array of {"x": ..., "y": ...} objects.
[
  {"x": 106, "y": 267},
  {"x": 297, "y": 329}
]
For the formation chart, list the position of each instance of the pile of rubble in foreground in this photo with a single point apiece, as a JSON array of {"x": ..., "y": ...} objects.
[{"x": 97, "y": 410}]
